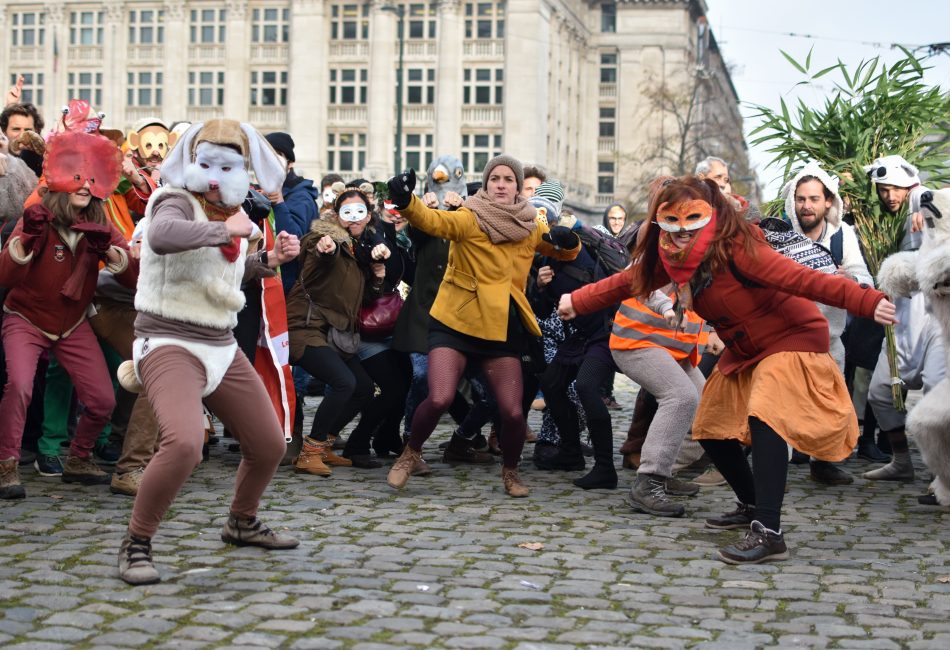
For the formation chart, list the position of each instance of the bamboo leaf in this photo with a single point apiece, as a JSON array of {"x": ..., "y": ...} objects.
[{"x": 795, "y": 63}]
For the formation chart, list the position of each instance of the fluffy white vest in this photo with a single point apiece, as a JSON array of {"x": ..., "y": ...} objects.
[{"x": 197, "y": 286}]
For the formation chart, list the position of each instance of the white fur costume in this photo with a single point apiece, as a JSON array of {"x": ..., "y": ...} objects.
[{"x": 928, "y": 271}]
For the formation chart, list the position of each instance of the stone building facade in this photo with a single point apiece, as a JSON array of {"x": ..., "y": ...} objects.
[{"x": 566, "y": 84}]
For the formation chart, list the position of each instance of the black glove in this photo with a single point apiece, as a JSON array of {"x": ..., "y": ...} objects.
[
  {"x": 400, "y": 188},
  {"x": 562, "y": 237},
  {"x": 98, "y": 237}
]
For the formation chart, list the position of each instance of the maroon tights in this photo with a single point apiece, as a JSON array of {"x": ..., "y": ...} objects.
[{"x": 503, "y": 375}]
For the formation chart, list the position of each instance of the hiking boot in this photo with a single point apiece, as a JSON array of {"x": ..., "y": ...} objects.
[
  {"x": 127, "y": 483},
  {"x": 710, "y": 478},
  {"x": 310, "y": 460},
  {"x": 403, "y": 468},
  {"x": 135, "y": 561},
  {"x": 741, "y": 517},
  {"x": 513, "y": 485},
  {"x": 648, "y": 494},
  {"x": 48, "y": 465},
  {"x": 821, "y": 471},
  {"x": 460, "y": 450},
  {"x": 759, "y": 545},
  {"x": 10, "y": 487},
  {"x": 421, "y": 468},
  {"x": 680, "y": 488},
  {"x": 84, "y": 471},
  {"x": 330, "y": 459},
  {"x": 869, "y": 451},
  {"x": 251, "y": 531},
  {"x": 899, "y": 469},
  {"x": 600, "y": 477}
]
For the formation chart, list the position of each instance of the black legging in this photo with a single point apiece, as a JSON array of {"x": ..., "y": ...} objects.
[
  {"x": 503, "y": 375},
  {"x": 765, "y": 488},
  {"x": 381, "y": 415},
  {"x": 592, "y": 373},
  {"x": 350, "y": 387}
]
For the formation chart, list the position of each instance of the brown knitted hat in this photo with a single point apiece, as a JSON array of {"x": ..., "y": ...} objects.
[{"x": 508, "y": 161}]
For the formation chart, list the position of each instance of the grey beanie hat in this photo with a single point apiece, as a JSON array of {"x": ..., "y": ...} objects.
[{"x": 509, "y": 161}]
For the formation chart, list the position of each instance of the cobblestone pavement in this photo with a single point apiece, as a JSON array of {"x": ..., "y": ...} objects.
[{"x": 439, "y": 566}]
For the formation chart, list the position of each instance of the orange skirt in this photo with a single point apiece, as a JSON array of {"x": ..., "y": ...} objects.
[{"x": 801, "y": 395}]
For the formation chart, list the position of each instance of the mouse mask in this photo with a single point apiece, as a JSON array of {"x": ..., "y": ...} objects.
[{"x": 219, "y": 155}]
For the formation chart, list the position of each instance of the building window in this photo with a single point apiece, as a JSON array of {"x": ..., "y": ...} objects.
[
  {"x": 268, "y": 88},
  {"x": 349, "y": 22},
  {"x": 86, "y": 86},
  {"x": 144, "y": 89},
  {"x": 422, "y": 20},
  {"x": 146, "y": 26},
  {"x": 417, "y": 151},
  {"x": 608, "y": 68},
  {"x": 485, "y": 19},
  {"x": 478, "y": 149},
  {"x": 420, "y": 86},
  {"x": 85, "y": 27},
  {"x": 608, "y": 122},
  {"x": 483, "y": 86},
  {"x": 32, "y": 87},
  {"x": 208, "y": 26},
  {"x": 348, "y": 86},
  {"x": 270, "y": 25},
  {"x": 28, "y": 29},
  {"x": 206, "y": 88},
  {"x": 605, "y": 178},
  {"x": 346, "y": 152},
  {"x": 608, "y": 17}
]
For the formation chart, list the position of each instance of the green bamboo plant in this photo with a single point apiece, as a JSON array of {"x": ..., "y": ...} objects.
[{"x": 874, "y": 110}]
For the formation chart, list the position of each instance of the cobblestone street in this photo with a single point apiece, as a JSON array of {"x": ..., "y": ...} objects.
[{"x": 439, "y": 565}]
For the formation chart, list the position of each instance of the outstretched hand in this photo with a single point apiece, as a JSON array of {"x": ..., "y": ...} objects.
[
  {"x": 401, "y": 187},
  {"x": 561, "y": 237},
  {"x": 885, "y": 313}
]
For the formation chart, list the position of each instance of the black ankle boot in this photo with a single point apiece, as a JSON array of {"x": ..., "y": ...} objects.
[{"x": 600, "y": 477}]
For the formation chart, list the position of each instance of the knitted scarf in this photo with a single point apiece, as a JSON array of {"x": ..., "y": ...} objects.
[
  {"x": 220, "y": 213},
  {"x": 502, "y": 223}
]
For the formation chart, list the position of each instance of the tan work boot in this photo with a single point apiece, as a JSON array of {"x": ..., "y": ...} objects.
[
  {"x": 251, "y": 531},
  {"x": 331, "y": 459},
  {"x": 135, "y": 561},
  {"x": 84, "y": 471},
  {"x": 403, "y": 467},
  {"x": 513, "y": 485},
  {"x": 127, "y": 483},
  {"x": 10, "y": 486},
  {"x": 310, "y": 460}
]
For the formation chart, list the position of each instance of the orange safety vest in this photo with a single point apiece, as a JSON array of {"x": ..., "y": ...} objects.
[
  {"x": 637, "y": 326},
  {"x": 272, "y": 360}
]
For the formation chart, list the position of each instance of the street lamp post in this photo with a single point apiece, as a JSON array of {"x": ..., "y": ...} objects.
[{"x": 400, "y": 11}]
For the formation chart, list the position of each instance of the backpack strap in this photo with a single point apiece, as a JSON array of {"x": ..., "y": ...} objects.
[{"x": 837, "y": 247}]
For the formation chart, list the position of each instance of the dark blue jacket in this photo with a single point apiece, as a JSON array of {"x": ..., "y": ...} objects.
[{"x": 294, "y": 216}]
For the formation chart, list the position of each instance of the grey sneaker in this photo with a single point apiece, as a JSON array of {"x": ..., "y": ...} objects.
[
  {"x": 759, "y": 545},
  {"x": 244, "y": 531},
  {"x": 648, "y": 494},
  {"x": 135, "y": 561}
]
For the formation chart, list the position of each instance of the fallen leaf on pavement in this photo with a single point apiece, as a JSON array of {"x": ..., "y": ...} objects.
[{"x": 531, "y": 546}]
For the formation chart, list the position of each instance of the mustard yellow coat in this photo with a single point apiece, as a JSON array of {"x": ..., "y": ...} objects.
[{"x": 480, "y": 276}]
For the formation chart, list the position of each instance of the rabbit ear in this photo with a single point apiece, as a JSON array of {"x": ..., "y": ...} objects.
[
  {"x": 173, "y": 168},
  {"x": 267, "y": 166}
]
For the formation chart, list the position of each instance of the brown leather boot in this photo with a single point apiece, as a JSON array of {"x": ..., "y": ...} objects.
[
  {"x": 310, "y": 460},
  {"x": 513, "y": 485},
  {"x": 331, "y": 459},
  {"x": 10, "y": 486},
  {"x": 403, "y": 468}
]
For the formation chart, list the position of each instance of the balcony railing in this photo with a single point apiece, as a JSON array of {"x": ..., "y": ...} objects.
[
  {"x": 608, "y": 91},
  {"x": 274, "y": 117},
  {"x": 606, "y": 145},
  {"x": 204, "y": 54},
  {"x": 340, "y": 115},
  {"x": 85, "y": 53},
  {"x": 150, "y": 54},
  {"x": 204, "y": 113},
  {"x": 349, "y": 49},
  {"x": 418, "y": 115},
  {"x": 27, "y": 54},
  {"x": 481, "y": 116},
  {"x": 604, "y": 199},
  {"x": 270, "y": 53},
  {"x": 135, "y": 113},
  {"x": 421, "y": 49},
  {"x": 483, "y": 48}
]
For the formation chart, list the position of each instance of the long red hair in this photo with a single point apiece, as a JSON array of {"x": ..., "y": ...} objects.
[{"x": 731, "y": 229}]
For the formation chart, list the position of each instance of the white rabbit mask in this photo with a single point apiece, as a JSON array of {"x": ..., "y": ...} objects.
[{"x": 218, "y": 167}]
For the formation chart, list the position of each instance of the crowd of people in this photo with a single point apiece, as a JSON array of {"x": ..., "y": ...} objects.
[{"x": 149, "y": 282}]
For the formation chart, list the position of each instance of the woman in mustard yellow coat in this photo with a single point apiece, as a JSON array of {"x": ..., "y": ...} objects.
[{"x": 481, "y": 313}]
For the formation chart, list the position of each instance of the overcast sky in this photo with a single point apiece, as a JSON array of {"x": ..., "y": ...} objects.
[{"x": 750, "y": 34}]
